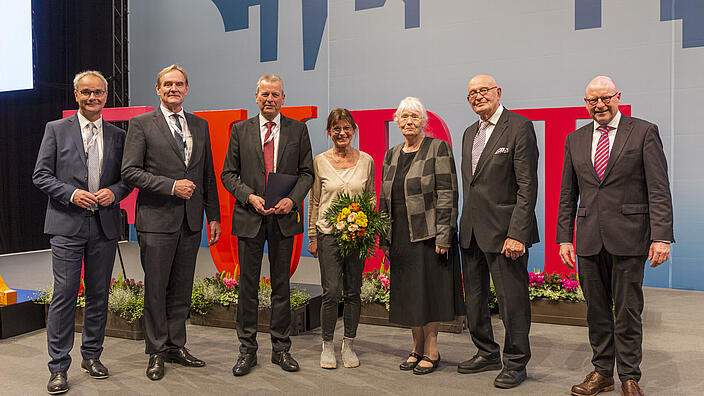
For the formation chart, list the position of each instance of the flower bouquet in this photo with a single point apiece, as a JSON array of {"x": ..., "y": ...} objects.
[{"x": 357, "y": 224}]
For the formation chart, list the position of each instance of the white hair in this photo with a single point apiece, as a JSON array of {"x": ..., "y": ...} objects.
[
  {"x": 93, "y": 73},
  {"x": 411, "y": 104}
]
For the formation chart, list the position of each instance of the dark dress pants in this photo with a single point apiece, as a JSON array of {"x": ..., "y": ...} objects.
[
  {"x": 169, "y": 262},
  {"x": 510, "y": 279},
  {"x": 250, "y": 252},
  {"x": 613, "y": 286},
  {"x": 68, "y": 254},
  {"x": 339, "y": 277}
]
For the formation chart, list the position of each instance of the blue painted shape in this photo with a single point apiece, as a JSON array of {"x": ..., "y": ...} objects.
[
  {"x": 691, "y": 12},
  {"x": 658, "y": 276},
  {"x": 368, "y": 4},
  {"x": 587, "y": 14},
  {"x": 411, "y": 14},
  {"x": 235, "y": 16},
  {"x": 27, "y": 295},
  {"x": 315, "y": 15}
]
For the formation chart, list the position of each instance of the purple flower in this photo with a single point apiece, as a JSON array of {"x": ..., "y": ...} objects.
[
  {"x": 229, "y": 282},
  {"x": 536, "y": 279},
  {"x": 569, "y": 284}
]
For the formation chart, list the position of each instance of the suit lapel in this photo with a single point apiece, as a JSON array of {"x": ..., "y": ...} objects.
[
  {"x": 198, "y": 138},
  {"x": 499, "y": 130},
  {"x": 584, "y": 143},
  {"x": 76, "y": 135},
  {"x": 256, "y": 139},
  {"x": 165, "y": 130},
  {"x": 283, "y": 138},
  {"x": 107, "y": 149},
  {"x": 622, "y": 132},
  {"x": 468, "y": 140}
]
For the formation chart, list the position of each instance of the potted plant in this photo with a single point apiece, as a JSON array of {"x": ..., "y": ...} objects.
[{"x": 557, "y": 299}]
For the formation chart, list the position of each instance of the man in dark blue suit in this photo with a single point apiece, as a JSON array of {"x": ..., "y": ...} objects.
[{"x": 78, "y": 167}]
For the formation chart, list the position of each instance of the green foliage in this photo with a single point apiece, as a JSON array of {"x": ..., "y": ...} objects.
[
  {"x": 357, "y": 224},
  {"x": 554, "y": 287}
]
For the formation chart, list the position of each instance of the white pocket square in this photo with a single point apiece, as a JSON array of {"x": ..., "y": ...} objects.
[{"x": 501, "y": 150}]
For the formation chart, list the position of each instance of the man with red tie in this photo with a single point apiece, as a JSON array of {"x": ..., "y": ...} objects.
[
  {"x": 615, "y": 168},
  {"x": 268, "y": 142}
]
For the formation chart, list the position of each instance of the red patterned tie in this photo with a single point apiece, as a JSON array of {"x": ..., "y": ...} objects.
[
  {"x": 268, "y": 151},
  {"x": 601, "y": 156}
]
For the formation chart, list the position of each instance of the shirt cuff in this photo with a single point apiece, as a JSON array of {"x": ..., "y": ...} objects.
[
  {"x": 72, "y": 195},
  {"x": 173, "y": 188}
]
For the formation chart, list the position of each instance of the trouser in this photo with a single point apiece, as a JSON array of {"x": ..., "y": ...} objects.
[
  {"x": 613, "y": 288},
  {"x": 510, "y": 279},
  {"x": 89, "y": 246},
  {"x": 169, "y": 262},
  {"x": 250, "y": 252},
  {"x": 340, "y": 277}
]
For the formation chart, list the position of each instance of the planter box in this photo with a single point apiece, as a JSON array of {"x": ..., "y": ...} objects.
[
  {"x": 376, "y": 314},
  {"x": 114, "y": 327},
  {"x": 221, "y": 316},
  {"x": 559, "y": 312}
]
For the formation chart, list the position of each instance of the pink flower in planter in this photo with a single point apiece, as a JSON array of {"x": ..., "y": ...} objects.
[
  {"x": 536, "y": 279},
  {"x": 229, "y": 282},
  {"x": 384, "y": 281},
  {"x": 569, "y": 284}
]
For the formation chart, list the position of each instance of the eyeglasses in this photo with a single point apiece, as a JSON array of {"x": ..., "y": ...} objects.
[
  {"x": 604, "y": 99},
  {"x": 414, "y": 117},
  {"x": 473, "y": 93},
  {"x": 345, "y": 128},
  {"x": 87, "y": 92}
]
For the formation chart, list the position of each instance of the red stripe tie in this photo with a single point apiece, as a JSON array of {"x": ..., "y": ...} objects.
[{"x": 601, "y": 156}]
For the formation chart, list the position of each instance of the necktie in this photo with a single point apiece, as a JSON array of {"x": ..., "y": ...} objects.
[
  {"x": 268, "y": 151},
  {"x": 478, "y": 145},
  {"x": 601, "y": 156},
  {"x": 93, "y": 161},
  {"x": 178, "y": 136}
]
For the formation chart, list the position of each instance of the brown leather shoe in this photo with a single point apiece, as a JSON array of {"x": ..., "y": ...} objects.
[
  {"x": 593, "y": 384},
  {"x": 631, "y": 388}
]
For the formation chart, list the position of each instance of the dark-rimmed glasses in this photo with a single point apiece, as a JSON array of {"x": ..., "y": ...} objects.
[
  {"x": 604, "y": 99},
  {"x": 473, "y": 93}
]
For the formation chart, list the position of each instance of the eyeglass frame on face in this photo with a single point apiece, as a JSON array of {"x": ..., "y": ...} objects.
[
  {"x": 413, "y": 116},
  {"x": 87, "y": 93},
  {"x": 604, "y": 99},
  {"x": 346, "y": 129},
  {"x": 483, "y": 91}
]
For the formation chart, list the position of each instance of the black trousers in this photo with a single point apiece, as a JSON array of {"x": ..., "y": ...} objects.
[
  {"x": 510, "y": 279},
  {"x": 613, "y": 288},
  {"x": 68, "y": 254},
  {"x": 169, "y": 262},
  {"x": 339, "y": 277},
  {"x": 250, "y": 252}
]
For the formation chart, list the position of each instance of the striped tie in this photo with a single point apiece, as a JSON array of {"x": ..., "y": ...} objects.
[
  {"x": 93, "y": 154},
  {"x": 601, "y": 156},
  {"x": 478, "y": 144}
]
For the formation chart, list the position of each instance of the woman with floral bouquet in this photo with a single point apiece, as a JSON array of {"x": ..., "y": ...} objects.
[
  {"x": 419, "y": 192},
  {"x": 340, "y": 170}
]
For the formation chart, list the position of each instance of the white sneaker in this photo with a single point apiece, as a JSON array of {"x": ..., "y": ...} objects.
[
  {"x": 349, "y": 358},
  {"x": 327, "y": 357}
]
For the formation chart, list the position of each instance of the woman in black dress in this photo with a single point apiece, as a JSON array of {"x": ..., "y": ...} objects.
[{"x": 419, "y": 192}]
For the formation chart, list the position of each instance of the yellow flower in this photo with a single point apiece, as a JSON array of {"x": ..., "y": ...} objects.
[{"x": 346, "y": 211}]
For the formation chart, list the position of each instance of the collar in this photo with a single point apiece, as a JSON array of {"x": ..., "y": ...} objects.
[
  {"x": 494, "y": 119},
  {"x": 613, "y": 124},
  {"x": 263, "y": 121},
  {"x": 83, "y": 121},
  {"x": 167, "y": 112}
]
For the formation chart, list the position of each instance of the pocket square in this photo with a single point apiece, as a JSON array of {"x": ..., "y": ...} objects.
[{"x": 501, "y": 150}]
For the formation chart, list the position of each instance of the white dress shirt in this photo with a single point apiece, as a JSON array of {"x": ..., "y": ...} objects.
[
  {"x": 187, "y": 138},
  {"x": 612, "y": 134},
  {"x": 274, "y": 132},
  {"x": 492, "y": 122},
  {"x": 86, "y": 135}
]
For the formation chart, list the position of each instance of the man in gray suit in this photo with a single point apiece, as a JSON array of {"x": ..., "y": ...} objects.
[
  {"x": 498, "y": 225},
  {"x": 78, "y": 167},
  {"x": 268, "y": 142},
  {"x": 168, "y": 157},
  {"x": 616, "y": 169}
]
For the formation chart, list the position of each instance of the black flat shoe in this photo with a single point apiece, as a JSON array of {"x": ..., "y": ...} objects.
[
  {"x": 407, "y": 366},
  {"x": 285, "y": 360},
  {"x": 508, "y": 379},
  {"x": 94, "y": 368},
  {"x": 182, "y": 357},
  {"x": 420, "y": 370},
  {"x": 244, "y": 364},
  {"x": 478, "y": 364},
  {"x": 58, "y": 383},
  {"x": 155, "y": 368}
]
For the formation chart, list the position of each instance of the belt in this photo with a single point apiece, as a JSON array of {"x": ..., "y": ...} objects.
[{"x": 89, "y": 213}]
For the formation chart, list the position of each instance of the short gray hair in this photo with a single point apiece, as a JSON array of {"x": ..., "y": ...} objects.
[
  {"x": 412, "y": 104},
  {"x": 93, "y": 73},
  {"x": 270, "y": 78}
]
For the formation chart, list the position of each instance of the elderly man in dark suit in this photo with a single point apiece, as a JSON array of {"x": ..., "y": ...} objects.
[
  {"x": 168, "y": 157},
  {"x": 78, "y": 167},
  {"x": 616, "y": 170},
  {"x": 268, "y": 142},
  {"x": 498, "y": 225}
]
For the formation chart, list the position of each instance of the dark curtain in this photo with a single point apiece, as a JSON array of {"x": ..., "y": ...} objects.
[{"x": 69, "y": 37}]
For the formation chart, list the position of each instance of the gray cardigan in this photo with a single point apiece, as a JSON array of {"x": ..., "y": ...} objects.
[{"x": 430, "y": 191}]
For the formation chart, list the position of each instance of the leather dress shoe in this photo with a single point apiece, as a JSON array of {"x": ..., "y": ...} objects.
[
  {"x": 183, "y": 357},
  {"x": 155, "y": 369},
  {"x": 508, "y": 379},
  {"x": 285, "y": 360},
  {"x": 478, "y": 363},
  {"x": 244, "y": 363},
  {"x": 406, "y": 365},
  {"x": 94, "y": 368},
  {"x": 593, "y": 384},
  {"x": 58, "y": 383},
  {"x": 420, "y": 370},
  {"x": 631, "y": 388}
]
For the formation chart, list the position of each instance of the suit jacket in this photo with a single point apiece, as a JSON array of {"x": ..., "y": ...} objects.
[
  {"x": 631, "y": 207},
  {"x": 243, "y": 173},
  {"x": 152, "y": 162},
  {"x": 61, "y": 168},
  {"x": 499, "y": 199}
]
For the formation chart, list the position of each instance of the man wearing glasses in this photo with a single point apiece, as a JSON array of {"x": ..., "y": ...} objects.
[
  {"x": 78, "y": 167},
  {"x": 616, "y": 170},
  {"x": 498, "y": 225}
]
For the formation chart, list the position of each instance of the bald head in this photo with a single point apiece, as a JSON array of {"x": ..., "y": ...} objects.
[
  {"x": 602, "y": 99},
  {"x": 483, "y": 95}
]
